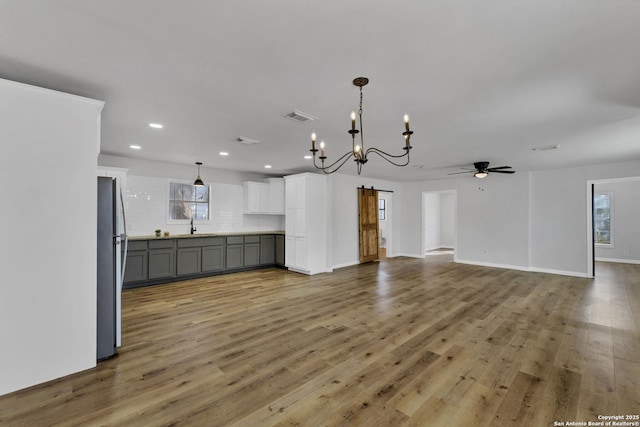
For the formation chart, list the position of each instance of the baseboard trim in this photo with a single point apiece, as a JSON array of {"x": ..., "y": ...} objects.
[
  {"x": 491, "y": 264},
  {"x": 523, "y": 268},
  {"x": 346, "y": 264},
  {"x": 410, "y": 255},
  {"x": 559, "y": 272},
  {"x": 619, "y": 260}
]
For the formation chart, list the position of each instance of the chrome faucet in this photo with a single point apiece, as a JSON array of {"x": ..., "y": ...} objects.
[{"x": 193, "y": 229}]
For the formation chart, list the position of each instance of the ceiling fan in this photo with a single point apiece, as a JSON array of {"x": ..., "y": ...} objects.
[{"x": 482, "y": 169}]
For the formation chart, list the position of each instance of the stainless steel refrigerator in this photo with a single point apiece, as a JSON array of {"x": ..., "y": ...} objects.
[{"x": 110, "y": 267}]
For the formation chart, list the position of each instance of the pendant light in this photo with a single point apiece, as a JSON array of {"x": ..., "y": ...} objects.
[{"x": 198, "y": 182}]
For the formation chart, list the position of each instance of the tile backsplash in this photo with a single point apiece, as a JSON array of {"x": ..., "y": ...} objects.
[{"x": 146, "y": 204}]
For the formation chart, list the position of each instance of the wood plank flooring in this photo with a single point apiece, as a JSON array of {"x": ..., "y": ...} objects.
[{"x": 403, "y": 342}]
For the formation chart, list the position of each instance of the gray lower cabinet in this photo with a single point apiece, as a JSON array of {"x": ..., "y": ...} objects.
[
  {"x": 279, "y": 249},
  {"x": 189, "y": 261},
  {"x": 267, "y": 249},
  {"x": 251, "y": 251},
  {"x": 212, "y": 258},
  {"x": 161, "y": 259},
  {"x": 235, "y": 256},
  {"x": 200, "y": 255},
  {"x": 136, "y": 267}
]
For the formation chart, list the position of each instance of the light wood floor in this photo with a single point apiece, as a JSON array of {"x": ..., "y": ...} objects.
[{"x": 404, "y": 342}]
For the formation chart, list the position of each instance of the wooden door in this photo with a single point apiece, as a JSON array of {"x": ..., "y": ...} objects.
[{"x": 368, "y": 224}]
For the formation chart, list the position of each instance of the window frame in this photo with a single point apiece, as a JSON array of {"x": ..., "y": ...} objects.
[
  {"x": 382, "y": 210},
  {"x": 611, "y": 222},
  {"x": 187, "y": 220}
]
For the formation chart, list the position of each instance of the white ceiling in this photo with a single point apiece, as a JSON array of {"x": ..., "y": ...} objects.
[{"x": 481, "y": 80}]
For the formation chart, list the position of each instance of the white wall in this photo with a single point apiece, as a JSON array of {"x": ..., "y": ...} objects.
[
  {"x": 559, "y": 214},
  {"x": 147, "y": 190},
  {"x": 625, "y": 222},
  {"x": 343, "y": 238},
  {"x": 492, "y": 218},
  {"x": 50, "y": 145}
]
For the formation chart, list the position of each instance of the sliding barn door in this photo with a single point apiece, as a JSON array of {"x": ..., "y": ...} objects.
[{"x": 368, "y": 218}]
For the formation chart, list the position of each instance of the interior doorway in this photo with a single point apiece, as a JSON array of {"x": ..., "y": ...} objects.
[
  {"x": 613, "y": 206},
  {"x": 439, "y": 221}
]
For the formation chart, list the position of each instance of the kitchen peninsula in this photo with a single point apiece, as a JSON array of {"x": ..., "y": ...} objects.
[{"x": 154, "y": 260}]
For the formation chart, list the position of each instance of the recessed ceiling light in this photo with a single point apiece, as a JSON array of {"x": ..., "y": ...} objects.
[
  {"x": 223, "y": 153},
  {"x": 135, "y": 147},
  {"x": 267, "y": 166},
  {"x": 156, "y": 125},
  {"x": 307, "y": 157}
]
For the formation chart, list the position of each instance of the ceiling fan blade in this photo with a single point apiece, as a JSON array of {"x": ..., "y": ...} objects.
[
  {"x": 492, "y": 171},
  {"x": 457, "y": 173},
  {"x": 499, "y": 167}
]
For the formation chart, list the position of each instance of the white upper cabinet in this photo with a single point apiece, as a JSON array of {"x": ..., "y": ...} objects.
[{"x": 264, "y": 197}]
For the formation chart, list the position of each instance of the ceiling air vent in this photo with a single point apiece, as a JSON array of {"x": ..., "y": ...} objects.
[
  {"x": 546, "y": 148},
  {"x": 300, "y": 117},
  {"x": 246, "y": 141}
]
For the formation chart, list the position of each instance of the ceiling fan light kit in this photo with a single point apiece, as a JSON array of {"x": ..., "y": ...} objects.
[{"x": 358, "y": 151}]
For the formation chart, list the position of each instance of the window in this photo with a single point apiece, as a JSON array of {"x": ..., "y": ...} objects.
[
  {"x": 382, "y": 209},
  {"x": 187, "y": 201},
  {"x": 602, "y": 210}
]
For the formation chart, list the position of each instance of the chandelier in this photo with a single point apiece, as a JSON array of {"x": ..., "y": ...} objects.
[{"x": 358, "y": 151}]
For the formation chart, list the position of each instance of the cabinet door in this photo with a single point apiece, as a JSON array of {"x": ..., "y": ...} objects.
[
  {"x": 267, "y": 250},
  {"x": 256, "y": 197},
  {"x": 301, "y": 253},
  {"x": 263, "y": 196},
  {"x": 212, "y": 258},
  {"x": 136, "y": 268},
  {"x": 189, "y": 261},
  {"x": 161, "y": 263},
  {"x": 276, "y": 196},
  {"x": 290, "y": 251},
  {"x": 300, "y": 220},
  {"x": 234, "y": 254},
  {"x": 279, "y": 256},
  {"x": 251, "y": 254}
]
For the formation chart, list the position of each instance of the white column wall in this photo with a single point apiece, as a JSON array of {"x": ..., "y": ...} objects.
[{"x": 50, "y": 143}]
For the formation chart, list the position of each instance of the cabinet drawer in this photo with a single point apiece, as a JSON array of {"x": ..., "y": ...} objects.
[
  {"x": 137, "y": 245},
  {"x": 252, "y": 239},
  {"x": 235, "y": 240},
  {"x": 200, "y": 241},
  {"x": 161, "y": 244}
]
